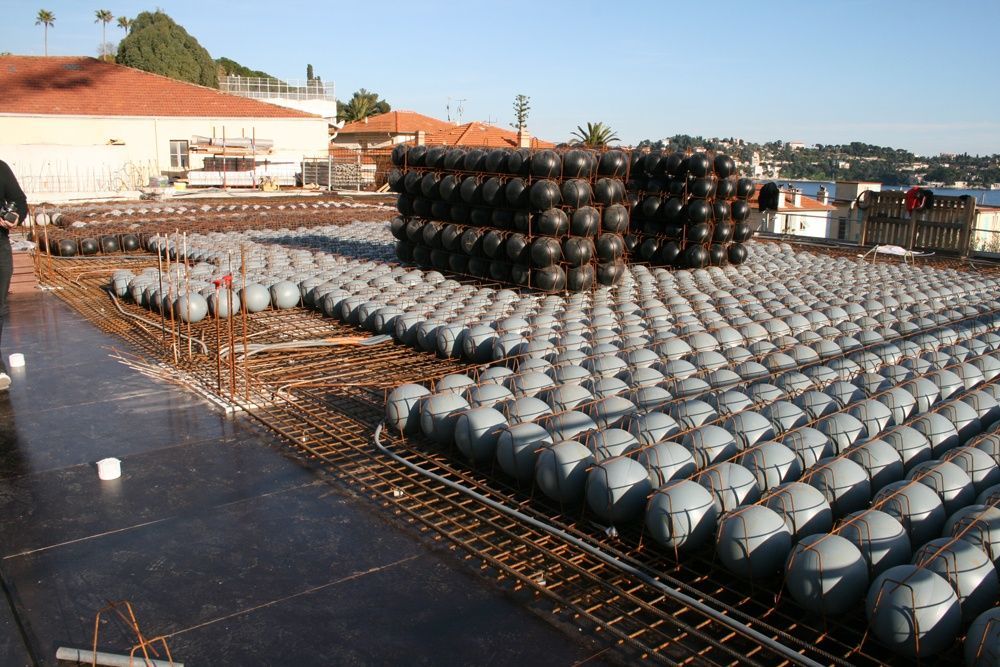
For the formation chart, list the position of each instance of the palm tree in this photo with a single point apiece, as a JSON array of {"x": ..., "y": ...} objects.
[
  {"x": 105, "y": 17},
  {"x": 124, "y": 23},
  {"x": 361, "y": 105},
  {"x": 47, "y": 19},
  {"x": 595, "y": 136}
]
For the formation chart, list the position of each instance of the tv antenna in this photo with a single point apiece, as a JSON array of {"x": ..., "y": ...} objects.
[{"x": 458, "y": 110}]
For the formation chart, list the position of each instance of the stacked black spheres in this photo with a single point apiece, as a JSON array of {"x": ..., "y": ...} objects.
[
  {"x": 688, "y": 210},
  {"x": 553, "y": 220},
  {"x": 65, "y": 244}
]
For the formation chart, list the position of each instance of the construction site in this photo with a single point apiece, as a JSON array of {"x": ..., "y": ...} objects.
[{"x": 783, "y": 454}]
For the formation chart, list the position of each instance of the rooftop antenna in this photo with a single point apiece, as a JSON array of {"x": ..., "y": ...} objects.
[{"x": 458, "y": 111}]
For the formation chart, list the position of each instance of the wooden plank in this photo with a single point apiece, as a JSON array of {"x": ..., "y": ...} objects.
[{"x": 945, "y": 226}]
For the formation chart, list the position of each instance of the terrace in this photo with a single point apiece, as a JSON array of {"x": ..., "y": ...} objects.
[{"x": 310, "y": 414}]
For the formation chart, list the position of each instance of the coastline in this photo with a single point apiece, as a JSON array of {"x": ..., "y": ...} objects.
[{"x": 983, "y": 196}]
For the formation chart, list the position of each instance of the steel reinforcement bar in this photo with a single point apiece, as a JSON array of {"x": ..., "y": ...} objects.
[{"x": 327, "y": 403}]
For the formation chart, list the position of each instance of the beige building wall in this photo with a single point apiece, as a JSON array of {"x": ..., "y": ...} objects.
[
  {"x": 361, "y": 140},
  {"x": 81, "y": 146}
]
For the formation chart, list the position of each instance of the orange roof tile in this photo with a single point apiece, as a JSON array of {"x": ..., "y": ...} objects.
[
  {"x": 481, "y": 134},
  {"x": 395, "y": 122},
  {"x": 80, "y": 86}
]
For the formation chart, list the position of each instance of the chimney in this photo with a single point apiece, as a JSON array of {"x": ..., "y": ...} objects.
[
  {"x": 823, "y": 195},
  {"x": 421, "y": 137},
  {"x": 523, "y": 138},
  {"x": 797, "y": 198}
]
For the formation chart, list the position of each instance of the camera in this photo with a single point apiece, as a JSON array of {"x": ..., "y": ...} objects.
[{"x": 8, "y": 213}]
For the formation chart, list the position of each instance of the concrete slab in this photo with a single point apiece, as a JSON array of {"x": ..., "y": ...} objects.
[{"x": 221, "y": 537}]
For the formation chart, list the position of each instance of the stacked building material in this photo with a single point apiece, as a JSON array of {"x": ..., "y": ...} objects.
[
  {"x": 558, "y": 220},
  {"x": 688, "y": 210},
  {"x": 544, "y": 219}
]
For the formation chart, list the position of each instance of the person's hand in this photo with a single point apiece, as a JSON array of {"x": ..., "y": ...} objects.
[{"x": 8, "y": 224}]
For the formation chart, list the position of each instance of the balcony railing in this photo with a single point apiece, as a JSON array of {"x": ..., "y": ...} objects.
[{"x": 266, "y": 88}]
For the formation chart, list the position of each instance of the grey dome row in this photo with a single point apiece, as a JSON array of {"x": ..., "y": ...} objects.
[
  {"x": 558, "y": 462},
  {"x": 726, "y": 391}
]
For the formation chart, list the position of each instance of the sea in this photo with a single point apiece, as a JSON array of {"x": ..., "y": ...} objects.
[{"x": 983, "y": 197}]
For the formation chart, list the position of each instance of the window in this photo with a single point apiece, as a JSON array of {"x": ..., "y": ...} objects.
[
  {"x": 842, "y": 228},
  {"x": 178, "y": 154}
]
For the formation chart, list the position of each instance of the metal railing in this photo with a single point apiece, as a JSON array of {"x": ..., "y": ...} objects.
[
  {"x": 265, "y": 88},
  {"x": 56, "y": 177}
]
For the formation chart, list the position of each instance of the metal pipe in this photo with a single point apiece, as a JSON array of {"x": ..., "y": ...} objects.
[
  {"x": 121, "y": 310},
  {"x": 243, "y": 312},
  {"x": 88, "y": 657},
  {"x": 741, "y": 628}
]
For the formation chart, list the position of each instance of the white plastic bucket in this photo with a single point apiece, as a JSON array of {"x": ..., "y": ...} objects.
[
  {"x": 110, "y": 468},
  {"x": 16, "y": 360}
]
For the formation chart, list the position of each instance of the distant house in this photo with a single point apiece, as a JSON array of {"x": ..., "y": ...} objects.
[
  {"x": 797, "y": 215},
  {"x": 848, "y": 217},
  {"x": 77, "y": 124},
  {"x": 386, "y": 130},
  {"x": 483, "y": 134},
  {"x": 399, "y": 127}
]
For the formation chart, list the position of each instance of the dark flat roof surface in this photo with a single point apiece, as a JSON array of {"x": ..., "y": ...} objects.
[{"x": 221, "y": 538}]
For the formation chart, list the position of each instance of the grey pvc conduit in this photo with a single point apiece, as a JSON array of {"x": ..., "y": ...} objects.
[
  {"x": 116, "y": 256},
  {"x": 256, "y": 348},
  {"x": 88, "y": 657},
  {"x": 114, "y": 299},
  {"x": 631, "y": 570}
]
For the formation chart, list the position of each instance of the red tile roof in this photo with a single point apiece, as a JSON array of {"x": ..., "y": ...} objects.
[
  {"x": 481, "y": 134},
  {"x": 78, "y": 86},
  {"x": 395, "y": 122}
]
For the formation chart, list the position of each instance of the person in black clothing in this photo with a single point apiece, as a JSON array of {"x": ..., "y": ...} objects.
[{"x": 10, "y": 191}]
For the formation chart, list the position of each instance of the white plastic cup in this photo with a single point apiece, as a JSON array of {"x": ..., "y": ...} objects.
[
  {"x": 108, "y": 469},
  {"x": 16, "y": 360}
]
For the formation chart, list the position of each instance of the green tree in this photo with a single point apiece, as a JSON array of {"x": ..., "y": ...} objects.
[
  {"x": 942, "y": 174},
  {"x": 104, "y": 17},
  {"x": 595, "y": 135},
  {"x": 521, "y": 109},
  {"x": 229, "y": 67},
  {"x": 309, "y": 72},
  {"x": 157, "y": 44},
  {"x": 124, "y": 23},
  {"x": 361, "y": 105},
  {"x": 47, "y": 19}
]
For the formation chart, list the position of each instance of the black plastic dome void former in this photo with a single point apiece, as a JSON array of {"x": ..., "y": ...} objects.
[
  {"x": 495, "y": 161},
  {"x": 109, "y": 244},
  {"x": 66, "y": 248},
  {"x": 683, "y": 200},
  {"x": 434, "y": 158},
  {"x": 578, "y": 163},
  {"x": 514, "y": 198},
  {"x": 545, "y": 164},
  {"x": 613, "y": 163},
  {"x": 415, "y": 156},
  {"x": 544, "y": 194},
  {"x": 89, "y": 246},
  {"x": 474, "y": 160},
  {"x": 454, "y": 159},
  {"x": 398, "y": 155}
]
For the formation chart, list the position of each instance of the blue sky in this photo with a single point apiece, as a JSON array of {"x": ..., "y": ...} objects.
[{"x": 911, "y": 74}]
